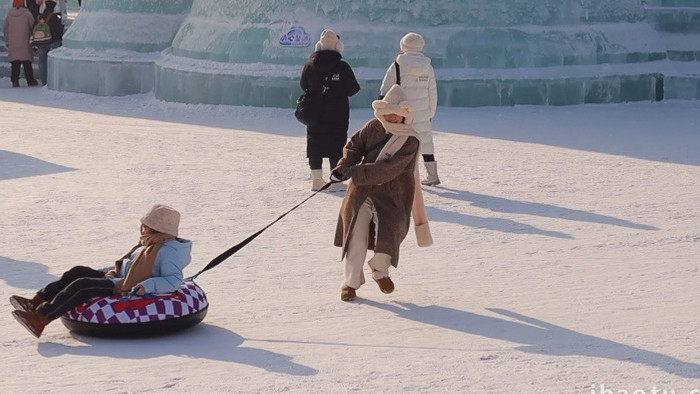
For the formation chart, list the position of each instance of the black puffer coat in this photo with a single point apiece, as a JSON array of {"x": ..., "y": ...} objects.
[{"x": 326, "y": 68}]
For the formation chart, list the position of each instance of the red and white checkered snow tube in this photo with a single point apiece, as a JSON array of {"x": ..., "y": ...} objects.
[{"x": 139, "y": 316}]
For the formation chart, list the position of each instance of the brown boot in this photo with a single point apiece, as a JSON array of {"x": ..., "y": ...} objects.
[
  {"x": 25, "y": 304},
  {"x": 34, "y": 322},
  {"x": 347, "y": 294},
  {"x": 386, "y": 285}
]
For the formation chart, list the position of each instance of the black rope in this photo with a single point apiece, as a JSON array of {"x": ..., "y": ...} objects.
[{"x": 231, "y": 251}]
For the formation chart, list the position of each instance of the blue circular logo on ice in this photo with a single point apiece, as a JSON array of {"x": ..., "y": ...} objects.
[{"x": 295, "y": 37}]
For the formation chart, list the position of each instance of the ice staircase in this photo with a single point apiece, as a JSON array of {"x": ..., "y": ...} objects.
[
  {"x": 675, "y": 16},
  {"x": 485, "y": 52},
  {"x": 678, "y": 25},
  {"x": 112, "y": 46}
]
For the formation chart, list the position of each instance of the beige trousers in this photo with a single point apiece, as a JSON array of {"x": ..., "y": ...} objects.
[{"x": 357, "y": 250}]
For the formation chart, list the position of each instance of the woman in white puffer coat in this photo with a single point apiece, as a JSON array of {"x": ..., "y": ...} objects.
[{"x": 417, "y": 80}]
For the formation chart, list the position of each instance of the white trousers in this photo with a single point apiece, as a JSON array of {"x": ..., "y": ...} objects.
[
  {"x": 426, "y": 143},
  {"x": 357, "y": 250}
]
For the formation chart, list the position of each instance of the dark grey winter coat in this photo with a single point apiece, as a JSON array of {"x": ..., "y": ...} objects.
[
  {"x": 389, "y": 183},
  {"x": 330, "y": 135}
]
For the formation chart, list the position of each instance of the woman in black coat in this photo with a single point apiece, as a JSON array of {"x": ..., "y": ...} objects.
[{"x": 326, "y": 72}]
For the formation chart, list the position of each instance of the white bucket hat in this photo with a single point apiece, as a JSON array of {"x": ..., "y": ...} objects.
[{"x": 163, "y": 219}]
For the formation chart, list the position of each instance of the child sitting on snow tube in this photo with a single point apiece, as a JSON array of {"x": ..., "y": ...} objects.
[{"x": 155, "y": 265}]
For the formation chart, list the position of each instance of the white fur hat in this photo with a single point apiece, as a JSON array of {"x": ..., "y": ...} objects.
[
  {"x": 163, "y": 219},
  {"x": 329, "y": 41},
  {"x": 412, "y": 42},
  {"x": 394, "y": 102}
]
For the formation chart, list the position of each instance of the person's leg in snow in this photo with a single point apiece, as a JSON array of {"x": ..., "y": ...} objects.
[
  {"x": 356, "y": 254},
  {"x": 317, "y": 182},
  {"x": 357, "y": 251},
  {"x": 14, "y": 72},
  {"x": 432, "y": 178},
  {"x": 380, "y": 264},
  {"x": 29, "y": 73},
  {"x": 75, "y": 286}
]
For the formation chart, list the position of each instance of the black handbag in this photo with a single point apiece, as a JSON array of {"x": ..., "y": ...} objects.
[{"x": 308, "y": 110}]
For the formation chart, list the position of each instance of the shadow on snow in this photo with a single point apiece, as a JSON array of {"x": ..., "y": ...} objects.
[
  {"x": 203, "y": 341},
  {"x": 499, "y": 204},
  {"x": 16, "y": 165},
  {"x": 536, "y": 336},
  {"x": 24, "y": 274}
]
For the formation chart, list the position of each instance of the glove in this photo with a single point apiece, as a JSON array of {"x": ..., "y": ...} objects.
[
  {"x": 337, "y": 176},
  {"x": 138, "y": 290}
]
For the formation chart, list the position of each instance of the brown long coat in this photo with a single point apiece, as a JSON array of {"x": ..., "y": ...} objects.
[
  {"x": 17, "y": 30},
  {"x": 390, "y": 184}
]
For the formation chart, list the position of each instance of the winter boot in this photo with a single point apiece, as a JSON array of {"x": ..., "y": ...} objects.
[
  {"x": 386, "y": 285},
  {"x": 347, "y": 294},
  {"x": 432, "y": 179},
  {"x": 317, "y": 180},
  {"x": 34, "y": 322},
  {"x": 25, "y": 304}
]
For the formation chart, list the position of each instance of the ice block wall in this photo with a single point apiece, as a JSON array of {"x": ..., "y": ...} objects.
[
  {"x": 111, "y": 47},
  {"x": 485, "y": 52}
]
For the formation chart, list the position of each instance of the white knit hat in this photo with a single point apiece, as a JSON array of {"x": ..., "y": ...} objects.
[
  {"x": 412, "y": 42},
  {"x": 394, "y": 102},
  {"x": 329, "y": 41},
  {"x": 163, "y": 219}
]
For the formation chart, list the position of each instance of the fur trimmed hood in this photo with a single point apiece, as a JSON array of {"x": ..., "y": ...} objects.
[{"x": 394, "y": 102}]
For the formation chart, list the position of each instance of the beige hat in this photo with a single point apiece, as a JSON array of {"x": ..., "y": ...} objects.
[
  {"x": 329, "y": 41},
  {"x": 412, "y": 42},
  {"x": 163, "y": 219}
]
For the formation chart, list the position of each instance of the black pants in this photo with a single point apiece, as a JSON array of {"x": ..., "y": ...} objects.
[
  {"x": 316, "y": 163},
  {"x": 76, "y": 286},
  {"x": 28, "y": 70}
]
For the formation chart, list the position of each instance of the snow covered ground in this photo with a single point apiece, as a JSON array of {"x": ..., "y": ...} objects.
[{"x": 566, "y": 256}]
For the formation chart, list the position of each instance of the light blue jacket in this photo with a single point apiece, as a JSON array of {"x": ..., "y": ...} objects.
[{"x": 167, "y": 275}]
